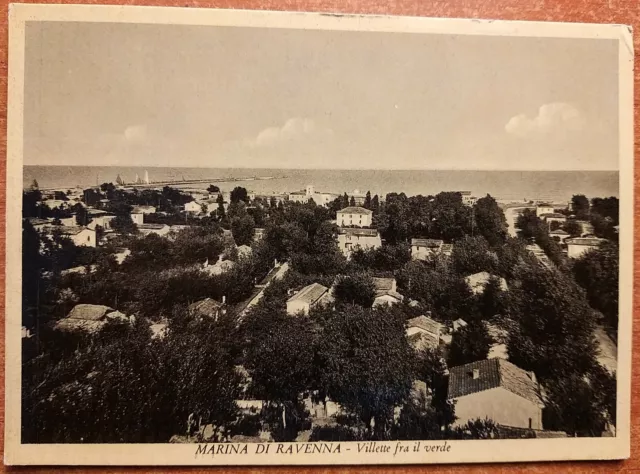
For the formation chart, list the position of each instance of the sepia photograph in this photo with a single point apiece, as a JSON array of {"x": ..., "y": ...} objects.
[{"x": 241, "y": 237}]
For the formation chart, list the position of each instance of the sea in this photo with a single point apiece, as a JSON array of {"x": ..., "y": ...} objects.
[{"x": 503, "y": 185}]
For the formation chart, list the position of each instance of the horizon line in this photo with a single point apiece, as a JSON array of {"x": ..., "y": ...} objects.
[{"x": 333, "y": 169}]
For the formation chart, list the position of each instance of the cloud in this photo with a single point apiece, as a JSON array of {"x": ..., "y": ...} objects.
[
  {"x": 553, "y": 118},
  {"x": 135, "y": 133},
  {"x": 294, "y": 129}
]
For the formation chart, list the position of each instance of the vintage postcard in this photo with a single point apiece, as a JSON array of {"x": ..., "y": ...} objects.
[{"x": 249, "y": 237}]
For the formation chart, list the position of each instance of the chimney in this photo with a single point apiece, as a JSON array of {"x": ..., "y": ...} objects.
[{"x": 476, "y": 374}]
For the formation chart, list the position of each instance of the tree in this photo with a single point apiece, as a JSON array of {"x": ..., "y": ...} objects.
[
  {"x": 31, "y": 205},
  {"x": 281, "y": 364},
  {"x": 242, "y": 229},
  {"x": 573, "y": 406},
  {"x": 239, "y": 194},
  {"x": 83, "y": 218},
  {"x": 367, "y": 200},
  {"x": 527, "y": 223},
  {"x": 358, "y": 289},
  {"x": 469, "y": 344},
  {"x": 375, "y": 204},
  {"x": 366, "y": 364},
  {"x": 472, "y": 255},
  {"x": 573, "y": 228},
  {"x": 597, "y": 272},
  {"x": 490, "y": 220},
  {"x": 34, "y": 184},
  {"x": 352, "y": 201},
  {"x": 493, "y": 300},
  {"x": 213, "y": 189},
  {"x": 608, "y": 208},
  {"x": 553, "y": 334},
  {"x": 221, "y": 210},
  {"x": 124, "y": 225},
  {"x": 580, "y": 206}
]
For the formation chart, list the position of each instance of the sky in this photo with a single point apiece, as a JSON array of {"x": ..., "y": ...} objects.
[{"x": 208, "y": 96}]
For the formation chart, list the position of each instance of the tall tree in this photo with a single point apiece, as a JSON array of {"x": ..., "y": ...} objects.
[
  {"x": 490, "y": 220},
  {"x": 366, "y": 364},
  {"x": 469, "y": 344},
  {"x": 367, "y": 200},
  {"x": 580, "y": 206},
  {"x": 597, "y": 272},
  {"x": 375, "y": 204},
  {"x": 356, "y": 289},
  {"x": 239, "y": 194},
  {"x": 352, "y": 201}
]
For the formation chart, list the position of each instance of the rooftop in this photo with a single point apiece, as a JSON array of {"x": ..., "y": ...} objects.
[
  {"x": 355, "y": 210},
  {"x": 72, "y": 230},
  {"x": 152, "y": 226},
  {"x": 310, "y": 294},
  {"x": 358, "y": 231},
  {"x": 554, "y": 215},
  {"x": 425, "y": 323},
  {"x": 492, "y": 373},
  {"x": 89, "y": 312},
  {"x": 429, "y": 243},
  {"x": 384, "y": 284},
  {"x": 37, "y": 221},
  {"x": 207, "y": 307},
  {"x": 590, "y": 241},
  {"x": 558, "y": 232}
]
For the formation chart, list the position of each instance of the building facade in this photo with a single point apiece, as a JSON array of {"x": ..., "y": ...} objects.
[
  {"x": 354, "y": 216},
  {"x": 350, "y": 239},
  {"x": 578, "y": 246}
]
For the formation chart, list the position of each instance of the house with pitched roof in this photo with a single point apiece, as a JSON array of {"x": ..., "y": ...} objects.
[
  {"x": 578, "y": 246},
  {"x": 498, "y": 390},
  {"x": 90, "y": 318},
  {"x": 559, "y": 234},
  {"x": 354, "y": 216},
  {"x": 207, "y": 308},
  {"x": 386, "y": 292},
  {"x": 423, "y": 333},
  {"x": 307, "y": 298},
  {"x": 351, "y": 239},
  {"x": 422, "y": 249}
]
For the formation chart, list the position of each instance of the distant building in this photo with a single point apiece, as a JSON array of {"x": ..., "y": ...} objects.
[
  {"x": 478, "y": 281},
  {"x": 386, "y": 292},
  {"x": 89, "y": 317},
  {"x": 350, "y": 239},
  {"x": 159, "y": 229},
  {"x": 422, "y": 249},
  {"x": 544, "y": 208},
  {"x": 143, "y": 210},
  {"x": 207, "y": 308},
  {"x": 354, "y": 216},
  {"x": 309, "y": 193},
  {"x": 467, "y": 198},
  {"x": 218, "y": 268},
  {"x": 40, "y": 224},
  {"x": 424, "y": 332},
  {"x": 358, "y": 197},
  {"x": 578, "y": 246},
  {"x": 307, "y": 298},
  {"x": 137, "y": 218},
  {"x": 195, "y": 207},
  {"x": 554, "y": 217},
  {"x": 560, "y": 234},
  {"x": 81, "y": 236},
  {"x": 498, "y": 390},
  {"x": 103, "y": 221}
]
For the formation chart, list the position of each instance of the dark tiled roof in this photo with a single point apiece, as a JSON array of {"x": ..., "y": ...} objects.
[
  {"x": 427, "y": 324},
  {"x": 310, "y": 294},
  {"x": 358, "y": 231},
  {"x": 558, "y": 232},
  {"x": 207, "y": 307},
  {"x": 492, "y": 373},
  {"x": 71, "y": 230},
  {"x": 355, "y": 210},
  {"x": 429, "y": 243}
]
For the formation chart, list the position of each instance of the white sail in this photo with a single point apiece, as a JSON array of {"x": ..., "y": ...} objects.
[
  {"x": 146, "y": 177},
  {"x": 137, "y": 179}
]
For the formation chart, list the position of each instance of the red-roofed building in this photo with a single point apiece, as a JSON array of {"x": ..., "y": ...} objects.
[{"x": 498, "y": 390}]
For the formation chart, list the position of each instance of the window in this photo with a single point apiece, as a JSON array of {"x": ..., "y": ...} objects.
[
  {"x": 88, "y": 238},
  {"x": 530, "y": 422}
]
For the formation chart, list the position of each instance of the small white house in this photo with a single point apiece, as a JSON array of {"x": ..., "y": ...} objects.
[
  {"x": 193, "y": 207},
  {"x": 307, "y": 298},
  {"x": 544, "y": 208},
  {"x": 354, "y": 216},
  {"x": 498, "y": 390},
  {"x": 137, "y": 218},
  {"x": 350, "y": 239},
  {"x": 81, "y": 236},
  {"x": 386, "y": 292},
  {"x": 422, "y": 249},
  {"x": 578, "y": 246}
]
